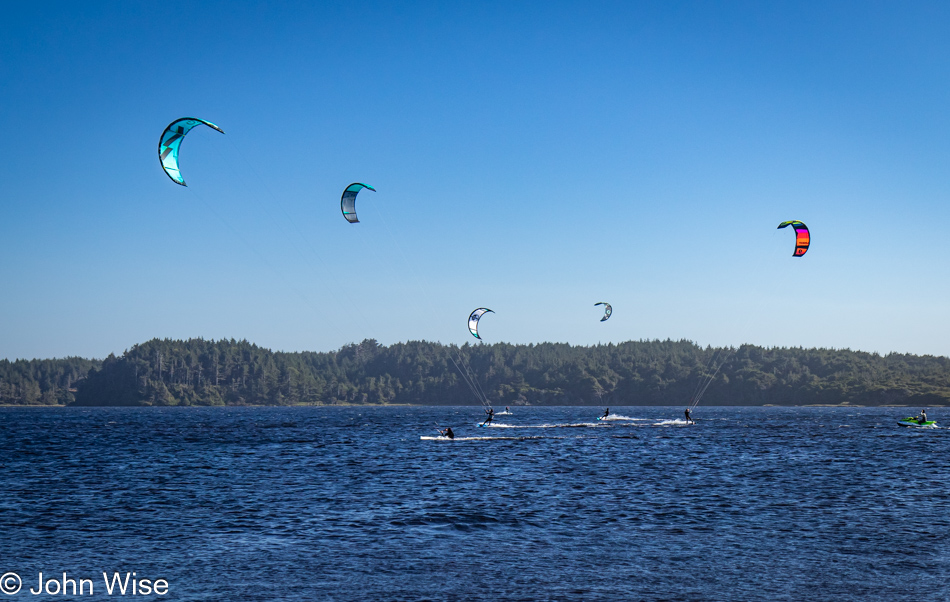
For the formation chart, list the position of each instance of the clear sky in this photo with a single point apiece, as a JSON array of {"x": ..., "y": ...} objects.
[{"x": 529, "y": 157}]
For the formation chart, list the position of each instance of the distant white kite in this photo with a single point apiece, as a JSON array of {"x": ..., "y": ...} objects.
[{"x": 474, "y": 318}]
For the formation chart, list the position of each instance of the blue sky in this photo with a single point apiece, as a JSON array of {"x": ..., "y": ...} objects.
[{"x": 533, "y": 158}]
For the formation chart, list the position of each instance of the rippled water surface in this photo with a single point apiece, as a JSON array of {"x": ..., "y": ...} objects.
[{"x": 354, "y": 504}]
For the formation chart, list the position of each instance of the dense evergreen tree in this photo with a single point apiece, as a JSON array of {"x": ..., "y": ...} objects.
[
  {"x": 42, "y": 382},
  {"x": 199, "y": 372}
]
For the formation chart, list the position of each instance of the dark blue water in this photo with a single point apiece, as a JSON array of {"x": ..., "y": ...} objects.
[{"x": 350, "y": 504}]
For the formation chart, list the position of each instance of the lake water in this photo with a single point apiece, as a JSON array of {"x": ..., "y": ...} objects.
[{"x": 351, "y": 504}]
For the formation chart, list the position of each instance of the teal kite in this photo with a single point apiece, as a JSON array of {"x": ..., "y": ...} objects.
[
  {"x": 348, "y": 200},
  {"x": 170, "y": 143}
]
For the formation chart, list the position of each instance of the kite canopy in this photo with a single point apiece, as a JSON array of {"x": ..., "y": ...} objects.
[
  {"x": 170, "y": 142},
  {"x": 348, "y": 200},
  {"x": 607, "y": 310},
  {"x": 474, "y": 318},
  {"x": 802, "y": 236}
]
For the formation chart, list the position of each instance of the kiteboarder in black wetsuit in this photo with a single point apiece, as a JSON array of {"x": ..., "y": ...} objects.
[
  {"x": 491, "y": 414},
  {"x": 447, "y": 432},
  {"x": 689, "y": 419},
  {"x": 606, "y": 413}
]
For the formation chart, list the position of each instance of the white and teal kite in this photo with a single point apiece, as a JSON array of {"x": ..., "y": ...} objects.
[
  {"x": 170, "y": 142},
  {"x": 473, "y": 319},
  {"x": 348, "y": 200}
]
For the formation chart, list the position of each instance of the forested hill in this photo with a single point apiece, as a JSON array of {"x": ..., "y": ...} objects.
[
  {"x": 42, "y": 382},
  {"x": 199, "y": 372}
]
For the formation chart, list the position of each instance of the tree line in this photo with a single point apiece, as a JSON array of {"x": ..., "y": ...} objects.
[
  {"x": 229, "y": 372},
  {"x": 42, "y": 382}
]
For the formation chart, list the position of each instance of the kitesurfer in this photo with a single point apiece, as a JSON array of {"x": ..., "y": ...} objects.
[
  {"x": 491, "y": 414},
  {"x": 922, "y": 419},
  {"x": 447, "y": 432},
  {"x": 606, "y": 413},
  {"x": 689, "y": 418},
  {"x": 507, "y": 411}
]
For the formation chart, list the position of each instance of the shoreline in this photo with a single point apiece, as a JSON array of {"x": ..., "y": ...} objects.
[{"x": 414, "y": 405}]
